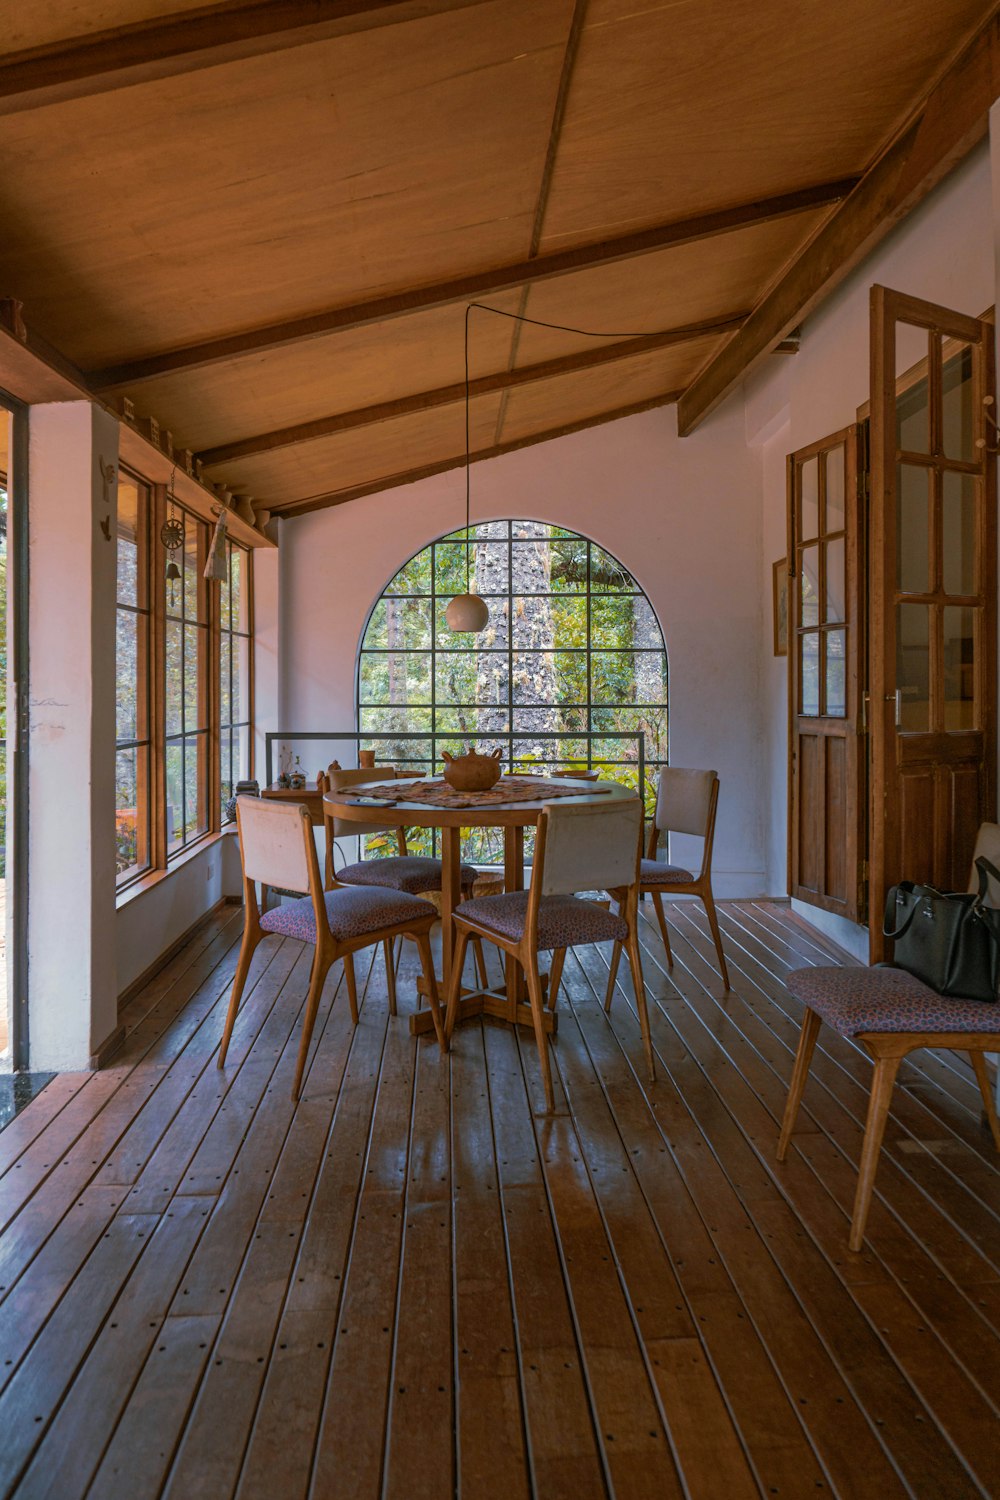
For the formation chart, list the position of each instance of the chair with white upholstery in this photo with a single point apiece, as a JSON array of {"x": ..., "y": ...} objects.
[
  {"x": 686, "y": 802},
  {"x": 891, "y": 1013},
  {"x": 417, "y": 874},
  {"x": 588, "y": 847},
  {"x": 277, "y": 848}
]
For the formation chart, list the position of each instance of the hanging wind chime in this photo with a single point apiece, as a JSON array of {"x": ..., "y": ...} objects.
[{"x": 172, "y": 537}]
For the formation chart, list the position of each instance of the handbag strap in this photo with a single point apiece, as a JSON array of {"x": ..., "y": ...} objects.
[
  {"x": 987, "y": 872},
  {"x": 890, "y": 902}
]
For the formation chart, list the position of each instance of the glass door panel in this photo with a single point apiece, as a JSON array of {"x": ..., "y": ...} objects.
[
  {"x": 913, "y": 668},
  {"x": 912, "y": 529},
  {"x": 959, "y": 507},
  {"x": 958, "y": 402}
]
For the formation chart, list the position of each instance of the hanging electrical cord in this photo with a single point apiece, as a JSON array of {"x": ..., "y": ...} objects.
[{"x": 467, "y": 613}]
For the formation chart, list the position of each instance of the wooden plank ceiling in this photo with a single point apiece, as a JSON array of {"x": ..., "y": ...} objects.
[{"x": 263, "y": 223}]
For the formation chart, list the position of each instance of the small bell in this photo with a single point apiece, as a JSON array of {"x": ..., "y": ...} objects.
[{"x": 173, "y": 573}]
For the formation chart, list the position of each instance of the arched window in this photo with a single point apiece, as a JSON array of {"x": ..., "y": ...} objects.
[{"x": 569, "y": 671}]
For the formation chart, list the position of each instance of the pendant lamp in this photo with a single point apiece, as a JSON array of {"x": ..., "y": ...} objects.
[{"x": 467, "y": 613}]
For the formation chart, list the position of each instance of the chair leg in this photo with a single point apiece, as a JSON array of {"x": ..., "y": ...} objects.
[
  {"x": 477, "y": 948},
  {"x": 538, "y": 1016},
  {"x": 713, "y": 923},
  {"x": 352, "y": 986},
  {"x": 427, "y": 964},
  {"x": 320, "y": 969},
  {"x": 247, "y": 947},
  {"x": 555, "y": 975},
  {"x": 455, "y": 982},
  {"x": 662, "y": 919},
  {"x": 638, "y": 984},
  {"x": 883, "y": 1081},
  {"x": 979, "y": 1066},
  {"x": 616, "y": 956},
  {"x": 800, "y": 1072},
  {"x": 390, "y": 974}
]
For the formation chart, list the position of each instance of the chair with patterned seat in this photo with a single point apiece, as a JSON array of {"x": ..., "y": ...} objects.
[
  {"x": 686, "y": 802},
  {"x": 277, "y": 849},
  {"x": 591, "y": 847},
  {"x": 890, "y": 1013},
  {"x": 417, "y": 874}
]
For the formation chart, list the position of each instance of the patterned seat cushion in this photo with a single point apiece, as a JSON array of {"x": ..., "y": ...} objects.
[
  {"x": 403, "y": 872},
  {"x": 562, "y": 920},
  {"x": 351, "y": 913},
  {"x": 885, "y": 999},
  {"x": 654, "y": 872}
]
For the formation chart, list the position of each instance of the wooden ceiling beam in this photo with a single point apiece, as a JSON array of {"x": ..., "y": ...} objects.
[
  {"x": 952, "y": 120},
  {"x": 470, "y": 287},
  {"x": 447, "y": 395},
  {"x": 186, "y": 41},
  {"x": 426, "y": 471}
]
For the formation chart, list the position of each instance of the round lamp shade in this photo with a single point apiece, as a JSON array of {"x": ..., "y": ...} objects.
[{"x": 467, "y": 614}]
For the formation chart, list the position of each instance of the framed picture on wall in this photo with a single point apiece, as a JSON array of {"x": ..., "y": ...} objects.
[{"x": 779, "y": 586}]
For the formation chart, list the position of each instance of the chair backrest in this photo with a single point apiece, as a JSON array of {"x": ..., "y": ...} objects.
[
  {"x": 338, "y": 780},
  {"x": 588, "y": 847},
  {"x": 276, "y": 843},
  {"x": 684, "y": 800},
  {"x": 988, "y": 843}
]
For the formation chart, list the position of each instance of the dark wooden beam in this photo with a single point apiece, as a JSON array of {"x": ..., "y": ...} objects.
[
  {"x": 427, "y": 471},
  {"x": 447, "y": 395},
  {"x": 951, "y": 121},
  {"x": 470, "y": 287},
  {"x": 185, "y": 41}
]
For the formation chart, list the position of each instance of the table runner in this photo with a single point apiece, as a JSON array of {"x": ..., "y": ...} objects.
[{"x": 440, "y": 794}]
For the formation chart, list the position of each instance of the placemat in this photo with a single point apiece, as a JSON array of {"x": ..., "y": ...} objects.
[{"x": 440, "y": 794}]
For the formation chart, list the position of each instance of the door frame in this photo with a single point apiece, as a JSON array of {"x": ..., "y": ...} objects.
[{"x": 18, "y": 716}]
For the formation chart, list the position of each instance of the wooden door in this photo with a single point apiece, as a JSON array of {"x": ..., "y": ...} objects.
[
  {"x": 933, "y": 595},
  {"x": 827, "y": 768}
]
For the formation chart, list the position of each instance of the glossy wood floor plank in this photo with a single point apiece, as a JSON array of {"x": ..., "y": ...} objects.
[{"x": 414, "y": 1285}]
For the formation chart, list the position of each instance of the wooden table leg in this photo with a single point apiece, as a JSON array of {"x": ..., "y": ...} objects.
[
  {"x": 451, "y": 895},
  {"x": 513, "y": 880}
]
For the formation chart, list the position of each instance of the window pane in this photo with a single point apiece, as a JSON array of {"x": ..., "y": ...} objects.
[
  {"x": 959, "y": 667},
  {"x": 226, "y": 780},
  {"x": 958, "y": 416},
  {"x": 912, "y": 512},
  {"x": 457, "y": 673},
  {"x": 835, "y": 461},
  {"x": 226, "y": 715},
  {"x": 175, "y": 678},
  {"x": 131, "y": 812},
  {"x": 568, "y": 570},
  {"x": 607, "y": 576},
  {"x": 809, "y": 504},
  {"x": 542, "y": 622},
  {"x": 193, "y": 645},
  {"x": 549, "y": 677},
  {"x": 194, "y": 560},
  {"x": 175, "y": 796},
  {"x": 958, "y": 532},
  {"x": 402, "y": 624},
  {"x": 126, "y": 675},
  {"x": 241, "y": 678},
  {"x": 912, "y": 429},
  {"x": 237, "y": 573},
  {"x": 132, "y": 504},
  {"x": 195, "y": 782},
  {"x": 809, "y": 586},
  {"x": 809, "y": 659},
  {"x": 836, "y": 692},
  {"x": 913, "y": 667},
  {"x": 835, "y": 582}
]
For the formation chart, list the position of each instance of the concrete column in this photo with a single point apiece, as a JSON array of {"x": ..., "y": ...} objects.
[{"x": 72, "y": 990}]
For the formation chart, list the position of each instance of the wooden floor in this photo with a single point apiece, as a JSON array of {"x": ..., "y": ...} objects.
[{"x": 411, "y": 1287}]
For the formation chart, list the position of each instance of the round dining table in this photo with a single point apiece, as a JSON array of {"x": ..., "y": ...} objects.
[{"x": 352, "y": 805}]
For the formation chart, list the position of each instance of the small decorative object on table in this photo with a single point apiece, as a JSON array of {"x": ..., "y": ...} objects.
[
  {"x": 297, "y": 777},
  {"x": 472, "y": 772},
  {"x": 243, "y": 789}
]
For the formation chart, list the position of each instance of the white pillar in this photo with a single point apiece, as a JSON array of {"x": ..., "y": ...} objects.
[
  {"x": 72, "y": 990},
  {"x": 267, "y": 704}
]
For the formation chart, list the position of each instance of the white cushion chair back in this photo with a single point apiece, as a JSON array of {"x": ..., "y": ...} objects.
[
  {"x": 275, "y": 842},
  {"x": 590, "y": 848},
  {"x": 988, "y": 843},
  {"x": 339, "y": 780},
  {"x": 683, "y": 800}
]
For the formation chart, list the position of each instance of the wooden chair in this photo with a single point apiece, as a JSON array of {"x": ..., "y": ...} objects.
[
  {"x": 686, "y": 802},
  {"x": 890, "y": 1013},
  {"x": 277, "y": 848},
  {"x": 417, "y": 874},
  {"x": 590, "y": 847}
]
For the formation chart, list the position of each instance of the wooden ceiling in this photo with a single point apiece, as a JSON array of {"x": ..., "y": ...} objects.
[{"x": 262, "y": 222}]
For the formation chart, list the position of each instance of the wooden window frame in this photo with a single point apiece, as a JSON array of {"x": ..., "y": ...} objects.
[
  {"x": 145, "y": 807},
  {"x": 162, "y": 857}
]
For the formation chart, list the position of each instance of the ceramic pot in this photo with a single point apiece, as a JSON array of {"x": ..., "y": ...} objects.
[{"x": 472, "y": 772}]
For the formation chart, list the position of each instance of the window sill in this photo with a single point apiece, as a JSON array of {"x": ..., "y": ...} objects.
[{"x": 155, "y": 877}]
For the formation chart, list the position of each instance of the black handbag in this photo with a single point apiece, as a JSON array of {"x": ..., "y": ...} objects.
[{"x": 950, "y": 941}]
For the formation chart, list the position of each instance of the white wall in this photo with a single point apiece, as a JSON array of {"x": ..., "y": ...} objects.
[
  {"x": 684, "y": 518},
  {"x": 944, "y": 252},
  {"x": 155, "y": 918}
]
